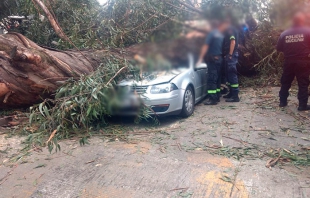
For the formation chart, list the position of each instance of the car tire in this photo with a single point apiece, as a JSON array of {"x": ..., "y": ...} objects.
[{"x": 188, "y": 102}]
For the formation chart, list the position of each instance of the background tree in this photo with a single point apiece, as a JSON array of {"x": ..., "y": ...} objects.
[{"x": 91, "y": 26}]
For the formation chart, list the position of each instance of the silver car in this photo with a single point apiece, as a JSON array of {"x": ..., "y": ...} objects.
[{"x": 173, "y": 92}]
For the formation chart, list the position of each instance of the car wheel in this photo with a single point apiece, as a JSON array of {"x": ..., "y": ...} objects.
[{"x": 188, "y": 102}]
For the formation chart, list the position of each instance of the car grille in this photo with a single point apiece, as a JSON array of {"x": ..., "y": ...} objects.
[{"x": 139, "y": 89}]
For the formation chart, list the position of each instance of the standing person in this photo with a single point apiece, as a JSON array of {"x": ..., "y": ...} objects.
[
  {"x": 211, "y": 52},
  {"x": 230, "y": 52},
  {"x": 295, "y": 45}
]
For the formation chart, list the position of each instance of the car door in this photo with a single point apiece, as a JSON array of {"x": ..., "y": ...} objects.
[
  {"x": 197, "y": 81},
  {"x": 204, "y": 75},
  {"x": 201, "y": 82}
]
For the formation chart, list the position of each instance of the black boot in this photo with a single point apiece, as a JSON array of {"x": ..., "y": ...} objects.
[
  {"x": 234, "y": 98},
  {"x": 210, "y": 102},
  {"x": 304, "y": 108},
  {"x": 219, "y": 95},
  {"x": 283, "y": 102},
  {"x": 229, "y": 95}
]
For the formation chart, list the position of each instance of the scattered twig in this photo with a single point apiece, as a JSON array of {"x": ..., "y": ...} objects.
[
  {"x": 305, "y": 117},
  {"x": 7, "y": 96},
  {"x": 267, "y": 58},
  {"x": 176, "y": 189},
  {"x": 41, "y": 175},
  {"x": 272, "y": 162},
  {"x": 214, "y": 147},
  {"x": 202, "y": 118},
  {"x": 179, "y": 146},
  {"x": 90, "y": 162},
  {"x": 234, "y": 180},
  {"x": 241, "y": 141},
  {"x": 162, "y": 149},
  {"x": 51, "y": 136}
]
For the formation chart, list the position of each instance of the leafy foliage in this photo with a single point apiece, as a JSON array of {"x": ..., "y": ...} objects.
[
  {"x": 81, "y": 105},
  {"x": 119, "y": 23},
  {"x": 268, "y": 61},
  {"x": 237, "y": 9}
]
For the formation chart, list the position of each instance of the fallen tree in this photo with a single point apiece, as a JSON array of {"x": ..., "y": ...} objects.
[{"x": 30, "y": 73}]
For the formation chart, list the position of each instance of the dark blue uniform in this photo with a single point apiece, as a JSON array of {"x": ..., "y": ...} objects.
[
  {"x": 295, "y": 44},
  {"x": 230, "y": 62},
  {"x": 214, "y": 61}
]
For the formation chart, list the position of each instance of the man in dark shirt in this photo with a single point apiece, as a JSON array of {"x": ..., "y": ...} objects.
[
  {"x": 211, "y": 52},
  {"x": 230, "y": 52},
  {"x": 295, "y": 45}
]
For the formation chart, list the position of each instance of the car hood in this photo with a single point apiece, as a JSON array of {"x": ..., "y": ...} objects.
[{"x": 153, "y": 78}]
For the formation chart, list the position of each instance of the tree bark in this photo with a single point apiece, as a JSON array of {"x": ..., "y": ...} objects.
[{"x": 30, "y": 73}]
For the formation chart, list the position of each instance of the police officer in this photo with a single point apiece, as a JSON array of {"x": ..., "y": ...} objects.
[
  {"x": 295, "y": 45},
  {"x": 230, "y": 52},
  {"x": 211, "y": 52}
]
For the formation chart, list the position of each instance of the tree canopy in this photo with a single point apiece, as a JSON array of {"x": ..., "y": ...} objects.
[{"x": 121, "y": 23}]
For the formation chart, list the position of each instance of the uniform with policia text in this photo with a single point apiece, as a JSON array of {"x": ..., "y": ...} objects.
[
  {"x": 295, "y": 45},
  {"x": 214, "y": 60},
  {"x": 230, "y": 64}
]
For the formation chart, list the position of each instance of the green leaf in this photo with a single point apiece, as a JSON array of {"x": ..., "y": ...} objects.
[
  {"x": 41, "y": 109},
  {"x": 94, "y": 95},
  {"x": 50, "y": 147},
  {"x": 58, "y": 146},
  {"x": 40, "y": 166},
  {"x": 95, "y": 114},
  {"x": 46, "y": 111},
  {"x": 89, "y": 110},
  {"x": 226, "y": 179},
  {"x": 31, "y": 118}
]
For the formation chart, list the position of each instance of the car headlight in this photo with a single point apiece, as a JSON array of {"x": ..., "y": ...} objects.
[{"x": 163, "y": 88}]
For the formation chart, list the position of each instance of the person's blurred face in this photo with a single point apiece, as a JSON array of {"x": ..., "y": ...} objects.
[
  {"x": 223, "y": 26},
  {"x": 299, "y": 19}
]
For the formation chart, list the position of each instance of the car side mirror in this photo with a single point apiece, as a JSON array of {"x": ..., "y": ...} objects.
[{"x": 201, "y": 66}]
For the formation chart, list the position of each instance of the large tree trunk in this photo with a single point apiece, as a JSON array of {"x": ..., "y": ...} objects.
[{"x": 29, "y": 73}]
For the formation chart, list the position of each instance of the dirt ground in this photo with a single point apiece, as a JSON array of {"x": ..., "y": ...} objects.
[{"x": 220, "y": 151}]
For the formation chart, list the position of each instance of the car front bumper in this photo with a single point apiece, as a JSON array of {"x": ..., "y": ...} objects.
[{"x": 158, "y": 104}]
